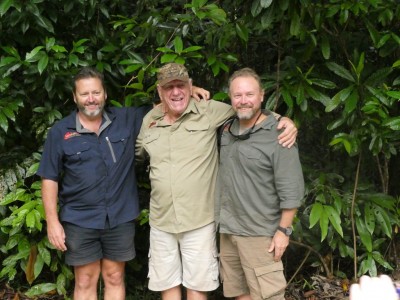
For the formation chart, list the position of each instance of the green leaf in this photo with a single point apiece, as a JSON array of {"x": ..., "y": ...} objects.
[
  {"x": 364, "y": 234},
  {"x": 32, "y": 169},
  {"x": 38, "y": 267},
  {"x": 324, "y": 224},
  {"x": 295, "y": 24},
  {"x": 392, "y": 123},
  {"x": 393, "y": 94},
  {"x": 265, "y": 3},
  {"x": 351, "y": 102},
  {"x": 44, "y": 253},
  {"x": 317, "y": 95},
  {"x": 7, "y": 61},
  {"x": 360, "y": 66},
  {"x": 33, "y": 55},
  {"x": 369, "y": 218},
  {"x": 287, "y": 97},
  {"x": 3, "y": 122},
  {"x": 44, "y": 60},
  {"x": 255, "y": 8},
  {"x": 61, "y": 283},
  {"x": 340, "y": 71},
  {"x": 41, "y": 289},
  {"x": 383, "y": 220},
  {"x": 315, "y": 214},
  {"x": 334, "y": 218},
  {"x": 167, "y": 58},
  {"x": 73, "y": 59},
  {"x": 383, "y": 40},
  {"x": 380, "y": 260},
  {"x": 178, "y": 45},
  {"x": 242, "y": 32},
  {"x": 44, "y": 22},
  {"x": 218, "y": 16},
  {"x": 30, "y": 219},
  {"x": 4, "y": 6},
  {"x": 325, "y": 47},
  {"x": 192, "y": 49}
]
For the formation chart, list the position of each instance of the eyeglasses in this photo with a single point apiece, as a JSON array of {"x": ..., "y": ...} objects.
[{"x": 246, "y": 135}]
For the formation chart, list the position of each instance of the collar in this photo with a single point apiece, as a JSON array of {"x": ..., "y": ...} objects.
[{"x": 106, "y": 120}]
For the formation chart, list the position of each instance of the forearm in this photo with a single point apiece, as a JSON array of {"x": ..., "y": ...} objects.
[
  {"x": 287, "y": 217},
  {"x": 49, "y": 196}
]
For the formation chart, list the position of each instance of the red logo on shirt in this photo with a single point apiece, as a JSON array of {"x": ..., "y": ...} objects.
[{"x": 70, "y": 135}]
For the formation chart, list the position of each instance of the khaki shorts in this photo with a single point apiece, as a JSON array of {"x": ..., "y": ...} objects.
[
  {"x": 248, "y": 268},
  {"x": 188, "y": 258}
]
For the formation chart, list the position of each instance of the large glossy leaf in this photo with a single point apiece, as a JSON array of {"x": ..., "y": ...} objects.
[
  {"x": 340, "y": 71},
  {"x": 365, "y": 236}
]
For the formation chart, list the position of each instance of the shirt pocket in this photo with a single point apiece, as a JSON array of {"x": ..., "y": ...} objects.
[
  {"x": 151, "y": 137},
  {"x": 118, "y": 143},
  {"x": 77, "y": 152},
  {"x": 193, "y": 126},
  {"x": 248, "y": 152}
]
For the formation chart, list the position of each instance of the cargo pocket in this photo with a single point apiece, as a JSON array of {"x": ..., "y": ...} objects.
[
  {"x": 214, "y": 269},
  {"x": 271, "y": 279}
]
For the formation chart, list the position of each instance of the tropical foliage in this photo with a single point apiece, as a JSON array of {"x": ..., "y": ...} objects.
[{"x": 332, "y": 66}]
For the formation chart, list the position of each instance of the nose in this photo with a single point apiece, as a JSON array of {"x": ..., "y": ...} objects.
[
  {"x": 91, "y": 96},
  {"x": 243, "y": 99},
  {"x": 175, "y": 90}
]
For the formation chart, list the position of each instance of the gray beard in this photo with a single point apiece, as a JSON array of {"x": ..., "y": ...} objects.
[{"x": 246, "y": 115}]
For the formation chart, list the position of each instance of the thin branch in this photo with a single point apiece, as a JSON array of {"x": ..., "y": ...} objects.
[
  {"x": 327, "y": 271},
  {"x": 301, "y": 265},
  {"x": 353, "y": 227}
]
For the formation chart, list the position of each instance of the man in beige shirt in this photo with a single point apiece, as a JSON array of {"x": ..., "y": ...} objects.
[{"x": 179, "y": 139}]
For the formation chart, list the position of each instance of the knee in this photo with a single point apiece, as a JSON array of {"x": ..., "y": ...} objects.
[
  {"x": 115, "y": 278},
  {"x": 85, "y": 282}
]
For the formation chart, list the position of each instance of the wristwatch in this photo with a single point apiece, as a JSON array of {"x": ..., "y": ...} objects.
[{"x": 287, "y": 231}]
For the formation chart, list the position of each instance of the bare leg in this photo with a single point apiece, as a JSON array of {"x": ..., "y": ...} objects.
[
  {"x": 86, "y": 278},
  {"x": 172, "y": 293},
  {"x": 196, "y": 295},
  {"x": 113, "y": 273},
  {"x": 243, "y": 297}
]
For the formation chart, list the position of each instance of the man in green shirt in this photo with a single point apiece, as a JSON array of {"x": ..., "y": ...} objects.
[{"x": 259, "y": 187}]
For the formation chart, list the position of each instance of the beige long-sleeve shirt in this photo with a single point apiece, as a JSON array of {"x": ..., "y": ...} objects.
[{"x": 183, "y": 164}]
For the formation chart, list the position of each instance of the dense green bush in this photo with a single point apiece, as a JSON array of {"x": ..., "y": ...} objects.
[{"x": 332, "y": 66}]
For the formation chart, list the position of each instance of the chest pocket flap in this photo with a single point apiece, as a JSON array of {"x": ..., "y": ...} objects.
[
  {"x": 151, "y": 137},
  {"x": 119, "y": 136},
  {"x": 76, "y": 148},
  {"x": 193, "y": 126}
]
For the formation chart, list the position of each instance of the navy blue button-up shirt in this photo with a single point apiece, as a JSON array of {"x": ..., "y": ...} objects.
[{"x": 96, "y": 173}]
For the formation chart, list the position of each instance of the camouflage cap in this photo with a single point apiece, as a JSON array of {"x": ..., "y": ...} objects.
[{"x": 172, "y": 71}]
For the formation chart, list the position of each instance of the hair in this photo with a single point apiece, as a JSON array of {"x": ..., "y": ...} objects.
[
  {"x": 88, "y": 72},
  {"x": 245, "y": 72}
]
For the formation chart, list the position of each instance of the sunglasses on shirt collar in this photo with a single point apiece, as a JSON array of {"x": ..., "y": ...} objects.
[{"x": 246, "y": 135}]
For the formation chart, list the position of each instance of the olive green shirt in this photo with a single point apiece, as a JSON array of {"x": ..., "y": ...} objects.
[
  {"x": 183, "y": 161},
  {"x": 257, "y": 179}
]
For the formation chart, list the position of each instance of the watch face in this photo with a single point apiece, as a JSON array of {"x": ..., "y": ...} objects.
[{"x": 289, "y": 230}]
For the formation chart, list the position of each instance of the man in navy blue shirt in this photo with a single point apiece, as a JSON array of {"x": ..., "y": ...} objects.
[{"x": 88, "y": 165}]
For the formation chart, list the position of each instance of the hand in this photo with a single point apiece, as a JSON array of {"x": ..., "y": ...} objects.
[
  {"x": 56, "y": 235},
  {"x": 199, "y": 93},
  {"x": 288, "y": 137},
  {"x": 279, "y": 243},
  {"x": 373, "y": 288}
]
